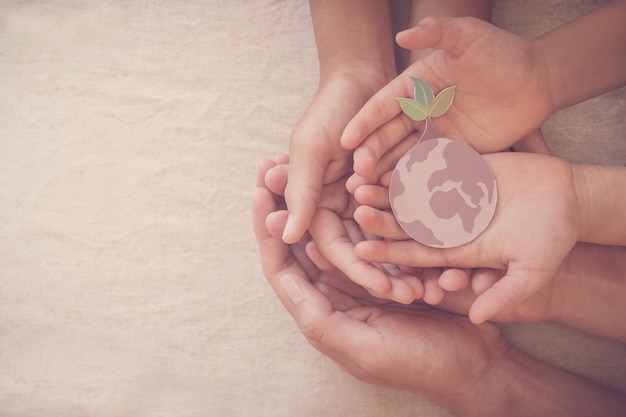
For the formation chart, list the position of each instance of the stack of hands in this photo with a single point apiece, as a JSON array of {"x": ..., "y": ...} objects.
[{"x": 397, "y": 313}]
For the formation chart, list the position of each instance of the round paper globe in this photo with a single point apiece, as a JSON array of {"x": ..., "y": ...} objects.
[{"x": 443, "y": 193}]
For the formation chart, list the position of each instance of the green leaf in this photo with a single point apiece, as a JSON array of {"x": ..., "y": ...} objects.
[
  {"x": 422, "y": 92},
  {"x": 413, "y": 109},
  {"x": 442, "y": 102}
]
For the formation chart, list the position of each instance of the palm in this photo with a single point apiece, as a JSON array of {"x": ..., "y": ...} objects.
[
  {"x": 409, "y": 347},
  {"x": 502, "y": 92},
  {"x": 497, "y": 78},
  {"x": 529, "y": 247},
  {"x": 317, "y": 132},
  {"x": 426, "y": 351},
  {"x": 318, "y": 158}
]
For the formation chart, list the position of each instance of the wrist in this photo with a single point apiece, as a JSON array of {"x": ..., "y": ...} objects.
[
  {"x": 520, "y": 385},
  {"x": 589, "y": 290},
  {"x": 582, "y": 190},
  {"x": 558, "y": 92},
  {"x": 371, "y": 75},
  {"x": 485, "y": 393},
  {"x": 496, "y": 392},
  {"x": 601, "y": 203},
  {"x": 586, "y": 56}
]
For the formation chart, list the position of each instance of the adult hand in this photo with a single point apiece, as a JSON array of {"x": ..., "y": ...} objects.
[
  {"x": 468, "y": 369},
  {"x": 430, "y": 352}
]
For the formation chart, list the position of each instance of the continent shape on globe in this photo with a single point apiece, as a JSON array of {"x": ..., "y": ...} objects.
[{"x": 443, "y": 193}]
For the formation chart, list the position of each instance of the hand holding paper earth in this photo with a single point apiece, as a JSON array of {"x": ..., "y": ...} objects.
[{"x": 442, "y": 192}]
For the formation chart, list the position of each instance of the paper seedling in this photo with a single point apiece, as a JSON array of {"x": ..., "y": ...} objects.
[
  {"x": 442, "y": 193},
  {"x": 425, "y": 104}
]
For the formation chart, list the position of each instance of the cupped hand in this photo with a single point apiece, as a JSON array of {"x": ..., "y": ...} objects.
[
  {"x": 502, "y": 90},
  {"x": 536, "y": 224},
  {"x": 335, "y": 233},
  {"x": 430, "y": 352},
  {"x": 317, "y": 157}
]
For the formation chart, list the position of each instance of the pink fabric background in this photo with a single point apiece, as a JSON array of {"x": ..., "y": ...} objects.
[{"x": 129, "y": 279}]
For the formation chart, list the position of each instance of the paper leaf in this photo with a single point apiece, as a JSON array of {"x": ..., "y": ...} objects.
[
  {"x": 422, "y": 92},
  {"x": 413, "y": 109},
  {"x": 442, "y": 102}
]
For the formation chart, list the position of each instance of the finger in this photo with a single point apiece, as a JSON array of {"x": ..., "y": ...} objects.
[
  {"x": 505, "y": 295},
  {"x": 308, "y": 307},
  {"x": 334, "y": 244},
  {"x": 373, "y": 195},
  {"x": 268, "y": 222},
  {"x": 337, "y": 298},
  {"x": 380, "y": 223},
  {"x": 433, "y": 33},
  {"x": 320, "y": 261},
  {"x": 380, "y": 109},
  {"x": 458, "y": 302},
  {"x": 329, "y": 233},
  {"x": 340, "y": 336},
  {"x": 311, "y": 310},
  {"x": 382, "y": 140},
  {"x": 275, "y": 255},
  {"x": 384, "y": 164},
  {"x": 454, "y": 279},
  {"x": 433, "y": 293},
  {"x": 409, "y": 276},
  {"x": 413, "y": 253},
  {"x": 276, "y": 179},
  {"x": 302, "y": 193},
  {"x": 330, "y": 278},
  {"x": 355, "y": 181},
  {"x": 483, "y": 279},
  {"x": 263, "y": 165},
  {"x": 281, "y": 159},
  {"x": 275, "y": 223}
]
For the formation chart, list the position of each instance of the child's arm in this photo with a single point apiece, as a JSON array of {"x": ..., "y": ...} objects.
[
  {"x": 499, "y": 76},
  {"x": 601, "y": 192},
  {"x": 587, "y": 56},
  {"x": 470, "y": 370},
  {"x": 545, "y": 205},
  {"x": 587, "y": 293},
  {"x": 356, "y": 58},
  {"x": 353, "y": 35}
]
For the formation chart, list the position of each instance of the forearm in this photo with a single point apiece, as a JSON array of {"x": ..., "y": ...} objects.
[
  {"x": 590, "y": 291},
  {"x": 519, "y": 385},
  {"x": 601, "y": 192},
  {"x": 353, "y": 35},
  {"x": 480, "y": 9},
  {"x": 587, "y": 56}
]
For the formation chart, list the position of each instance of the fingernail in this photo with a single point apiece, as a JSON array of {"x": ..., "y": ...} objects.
[
  {"x": 288, "y": 226},
  {"x": 292, "y": 289}
]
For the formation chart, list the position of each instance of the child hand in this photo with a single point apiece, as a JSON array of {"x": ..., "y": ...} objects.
[
  {"x": 536, "y": 224},
  {"x": 317, "y": 157},
  {"x": 498, "y": 76},
  {"x": 335, "y": 234}
]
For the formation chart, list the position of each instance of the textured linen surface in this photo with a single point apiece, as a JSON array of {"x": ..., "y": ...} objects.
[{"x": 130, "y": 283}]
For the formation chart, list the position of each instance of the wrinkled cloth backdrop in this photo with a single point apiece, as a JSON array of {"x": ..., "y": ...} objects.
[{"x": 129, "y": 278}]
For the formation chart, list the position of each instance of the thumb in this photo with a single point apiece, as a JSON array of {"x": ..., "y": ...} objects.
[
  {"x": 505, "y": 295},
  {"x": 435, "y": 32},
  {"x": 323, "y": 326},
  {"x": 302, "y": 195}
]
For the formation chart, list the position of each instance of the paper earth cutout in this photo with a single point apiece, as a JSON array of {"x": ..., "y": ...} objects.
[{"x": 442, "y": 193}]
